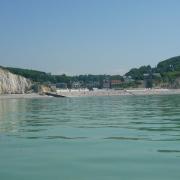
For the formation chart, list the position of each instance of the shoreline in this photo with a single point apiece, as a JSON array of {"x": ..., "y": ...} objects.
[
  {"x": 23, "y": 96},
  {"x": 103, "y": 92},
  {"x": 111, "y": 92}
]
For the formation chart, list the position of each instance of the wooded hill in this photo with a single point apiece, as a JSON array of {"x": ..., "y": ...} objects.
[{"x": 168, "y": 69}]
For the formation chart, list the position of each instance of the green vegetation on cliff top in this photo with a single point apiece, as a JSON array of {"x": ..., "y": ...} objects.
[{"x": 169, "y": 69}]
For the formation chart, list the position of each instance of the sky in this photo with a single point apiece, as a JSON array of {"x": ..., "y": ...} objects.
[{"x": 88, "y": 36}]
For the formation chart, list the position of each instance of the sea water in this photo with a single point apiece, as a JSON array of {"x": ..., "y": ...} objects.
[{"x": 90, "y": 138}]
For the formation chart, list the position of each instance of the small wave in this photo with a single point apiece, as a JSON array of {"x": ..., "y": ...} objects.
[
  {"x": 127, "y": 138},
  {"x": 64, "y": 137},
  {"x": 168, "y": 151}
]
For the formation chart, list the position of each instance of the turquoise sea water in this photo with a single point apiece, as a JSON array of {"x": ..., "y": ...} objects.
[{"x": 90, "y": 138}]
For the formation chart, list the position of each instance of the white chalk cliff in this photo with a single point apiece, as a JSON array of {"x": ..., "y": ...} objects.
[{"x": 13, "y": 84}]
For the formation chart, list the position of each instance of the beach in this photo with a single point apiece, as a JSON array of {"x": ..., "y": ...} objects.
[
  {"x": 101, "y": 92},
  {"x": 111, "y": 92}
]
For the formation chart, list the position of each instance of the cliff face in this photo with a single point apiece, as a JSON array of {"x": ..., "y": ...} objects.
[{"x": 13, "y": 84}]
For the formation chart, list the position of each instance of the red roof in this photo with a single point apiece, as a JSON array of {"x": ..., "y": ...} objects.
[{"x": 116, "y": 81}]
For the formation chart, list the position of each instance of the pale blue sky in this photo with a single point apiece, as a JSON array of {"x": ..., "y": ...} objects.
[{"x": 88, "y": 36}]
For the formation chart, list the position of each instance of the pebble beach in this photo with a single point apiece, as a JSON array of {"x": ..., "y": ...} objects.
[
  {"x": 103, "y": 92},
  {"x": 111, "y": 92}
]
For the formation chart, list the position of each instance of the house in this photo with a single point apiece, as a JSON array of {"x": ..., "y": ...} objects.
[
  {"x": 115, "y": 83},
  {"x": 128, "y": 79},
  {"x": 106, "y": 84},
  {"x": 61, "y": 85},
  {"x": 76, "y": 85},
  {"x": 151, "y": 79},
  {"x": 147, "y": 80},
  {"x": 93, "y": 84}
]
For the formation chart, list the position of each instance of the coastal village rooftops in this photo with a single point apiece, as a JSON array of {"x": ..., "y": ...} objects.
[
  {"x": 128, "y": 79},
  {"x": 115, "y": 81},
  {"x": 61, "y": 85},
  {"x": 106, "y": 84}
]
